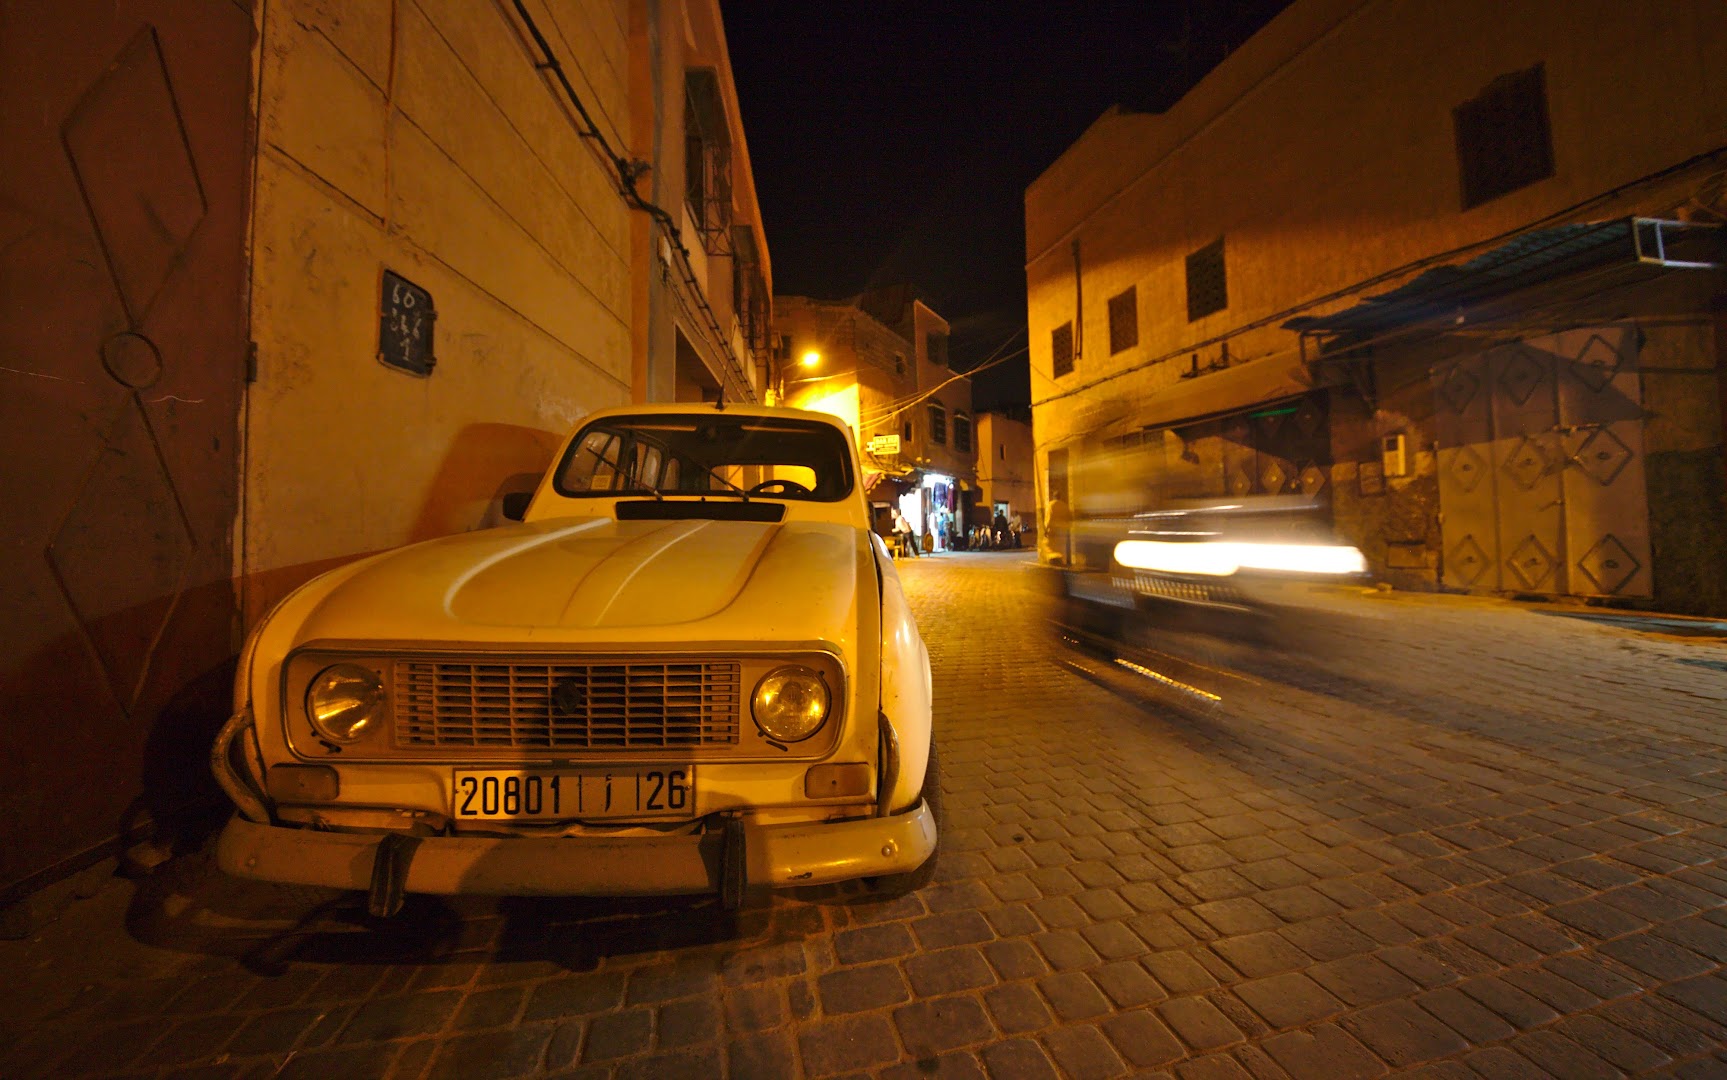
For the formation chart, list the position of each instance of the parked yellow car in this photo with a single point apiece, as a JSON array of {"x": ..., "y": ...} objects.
[{"x": 690, "y": 667}]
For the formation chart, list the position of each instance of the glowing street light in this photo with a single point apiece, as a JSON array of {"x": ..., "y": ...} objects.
[{"x": 811, "y": 358}]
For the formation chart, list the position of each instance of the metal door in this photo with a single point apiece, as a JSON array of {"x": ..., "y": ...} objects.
[
  {"x": 1540, "y": 467},
  {"x": 122, "y": 354}
]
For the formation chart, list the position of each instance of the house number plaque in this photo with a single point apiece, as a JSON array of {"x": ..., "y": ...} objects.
[{"x": 405, "y": 321}]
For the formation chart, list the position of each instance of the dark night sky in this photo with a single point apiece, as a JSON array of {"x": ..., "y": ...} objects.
[{"x": 894, "y": 142}]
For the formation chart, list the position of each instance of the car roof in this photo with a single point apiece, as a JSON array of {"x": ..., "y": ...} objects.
[{"x": 697, "y": 408}]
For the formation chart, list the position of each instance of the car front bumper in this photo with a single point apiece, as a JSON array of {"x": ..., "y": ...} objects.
[{"x": 779, "y": 855}]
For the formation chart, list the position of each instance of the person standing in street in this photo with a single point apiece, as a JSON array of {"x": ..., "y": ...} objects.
[{"x": 902, "y": 530}]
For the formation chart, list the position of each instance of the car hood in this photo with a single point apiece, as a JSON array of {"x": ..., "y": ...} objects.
[{"x": 602, "y": 579}]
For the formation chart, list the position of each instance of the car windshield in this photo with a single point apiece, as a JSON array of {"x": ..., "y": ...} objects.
[{"x": 739, "y": 456}]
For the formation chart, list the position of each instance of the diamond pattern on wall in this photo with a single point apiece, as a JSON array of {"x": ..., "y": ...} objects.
[
  {"x": 1527, "y": 465},
  {"x": 1597, "y": 363},
  {"x": 1312, "y": 479},
  {"x": 143, "y": 217},
  {"x": 1273, "y": 477},
  {"x": 1458, "y": 388},
  {"x": 1609, "y": 565},
  {"x": 1524, "y": 370},
  {"x": 1239, "y": 482},
  {"x": 124, "y": 604},
  {"x": 1602, "y": 457},
  {"x": 1467, "y": 468},
  {"x": 1531, "y": 563},
  {"x": 1466, "y": 561}
]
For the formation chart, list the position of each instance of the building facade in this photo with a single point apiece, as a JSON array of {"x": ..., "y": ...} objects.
[
  {"x": 1006, "y": 475},
  {"x": 879, "y": 361},
  {"x": 1461, "y": 286},
  {"x": 287, "y": 284}
]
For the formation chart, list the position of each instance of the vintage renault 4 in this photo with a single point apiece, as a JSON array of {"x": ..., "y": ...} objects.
[{"x": 687, "y": 667}]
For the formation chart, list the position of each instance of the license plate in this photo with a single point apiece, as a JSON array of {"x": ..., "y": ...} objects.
[{"x": 553, "y": 794}]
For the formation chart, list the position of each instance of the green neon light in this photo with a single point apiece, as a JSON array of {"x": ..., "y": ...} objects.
[{"x": 1290, "y": 411}]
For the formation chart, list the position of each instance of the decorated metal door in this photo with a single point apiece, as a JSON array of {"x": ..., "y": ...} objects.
[
  {"x": 1540, "y": 461},
  {"x": 122, "y": 356},
  {"x": 1282, "y": 449}
]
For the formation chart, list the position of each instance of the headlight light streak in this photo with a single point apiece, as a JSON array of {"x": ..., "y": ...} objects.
[
  {"x": 1225, "y": 557},
  {"x": 1173, "y": 684}
]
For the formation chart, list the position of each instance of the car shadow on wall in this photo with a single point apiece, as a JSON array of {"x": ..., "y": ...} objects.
[{"x": 484, "y": 462}]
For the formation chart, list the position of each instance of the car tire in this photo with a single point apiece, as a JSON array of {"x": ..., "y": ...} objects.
[{"x": 891, "y": 886}]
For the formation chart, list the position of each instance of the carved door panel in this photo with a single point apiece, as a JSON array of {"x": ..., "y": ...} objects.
[
  {"x": 1468, "y": 486},
  {"x": 122, "y": 355},
  {"x": 1541, "y": 467}
]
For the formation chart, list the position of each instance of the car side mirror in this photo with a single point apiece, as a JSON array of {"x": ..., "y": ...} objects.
[{"x": 516, "y": 504}]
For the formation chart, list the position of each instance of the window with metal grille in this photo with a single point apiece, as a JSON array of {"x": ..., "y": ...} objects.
[
  {"x": 1061, "y": 349},
  {"x": 1123, "y": 320},
  {"x": 1207, "y": 285},
  {"x": 962, "y": 433},
  {"x": 936, "y": 346},
  {"x": 1504, "y": 141},
  {"x": 938, "y": 425}
]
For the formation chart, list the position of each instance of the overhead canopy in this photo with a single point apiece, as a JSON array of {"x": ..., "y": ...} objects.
[{"x": 1563, "y": 263}]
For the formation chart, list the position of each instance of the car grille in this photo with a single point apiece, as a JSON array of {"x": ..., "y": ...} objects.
[{"x": 599, "y": 705}]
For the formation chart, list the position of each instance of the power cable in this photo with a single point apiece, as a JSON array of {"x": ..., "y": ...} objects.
[{"x": 626, "y": 172}]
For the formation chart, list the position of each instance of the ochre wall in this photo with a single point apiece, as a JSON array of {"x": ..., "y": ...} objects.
[
  {"x": 418, "y": 137},
  {"x": 1324, "y": 153}
]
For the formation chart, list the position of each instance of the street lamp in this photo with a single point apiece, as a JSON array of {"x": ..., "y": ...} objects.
[{"x": 811, "y": 358}]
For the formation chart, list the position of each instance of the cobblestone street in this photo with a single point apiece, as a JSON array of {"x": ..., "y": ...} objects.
[{"x": 1465, "y": 838}]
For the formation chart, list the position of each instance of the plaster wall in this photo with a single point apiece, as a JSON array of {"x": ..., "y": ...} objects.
[
  {"x": 1004, "y": 465},
  {"x": 1323, "y": 154}
]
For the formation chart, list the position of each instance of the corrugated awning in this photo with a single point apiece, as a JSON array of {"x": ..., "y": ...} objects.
[{"x": 1569, "y": 261}]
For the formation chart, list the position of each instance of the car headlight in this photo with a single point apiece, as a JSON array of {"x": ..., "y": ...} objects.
[
  {"x": 344, "y": 700},
  {"x": 790, "y": 703}
]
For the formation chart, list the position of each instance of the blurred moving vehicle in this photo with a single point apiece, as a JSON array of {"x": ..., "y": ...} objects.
[
  {"x": 1162, "y": 593},
  {"x": 689, "y": 668}
]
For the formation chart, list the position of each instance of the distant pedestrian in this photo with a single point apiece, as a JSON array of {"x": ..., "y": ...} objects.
[{"x": 902, "y": 531}]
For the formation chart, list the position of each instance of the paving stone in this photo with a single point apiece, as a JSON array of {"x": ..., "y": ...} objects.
[
  {"x": 1017, "y": 1058},
  {"x": 931, "y": 1027},
  {"x": 1015, "y": 959},
  {"x": 687, "y": 1023},
  {"x": 947, "y": 971},
  {"x": 1475, "y": 1022},
  {"x": 954, "y": 928},
  {"x": 1289, "y": 1000},
  {"x": 1178, "y": 972},
  {"x": 1066, "y": 949},
  {"x": 1073, "y": 995},
  {"x": 1198, "y": 1022},
  {"x": 1508, "y": 1002},
  {"x": 861, "y": 989},
  {"x": 373, "y": 1060},
  {"x": 575, "y": 995},
  {"x": 1403, "y": 1034},
  {"x": 489, "y": 1008},
  {"x": 754, "y": 1008},
  {"x": 1362, "y": 980},
  {"x": 1656, "y": 957},
  {"x": 618, "y": 1034},
  {"x": 1325, "y": 1052},
  {"x": 491, "y": 1054},
  {"x": 1142, "y": 1039},
  {"x": 397, "y": 1017},
  {"x": 1017, "y": 1008},
  {"x": 835, "y": 1046},
  {"x": 1561, "y": 1056},
  {"x": 1259, "y": 955},
  {"x": 1126, "y": 983},
  {"x": 1083, "y": 1053},
  {"x": 769, "y": 1055},
  {"x": 869, "y": 943},
  {"x": 1612, "y": 1043}
]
